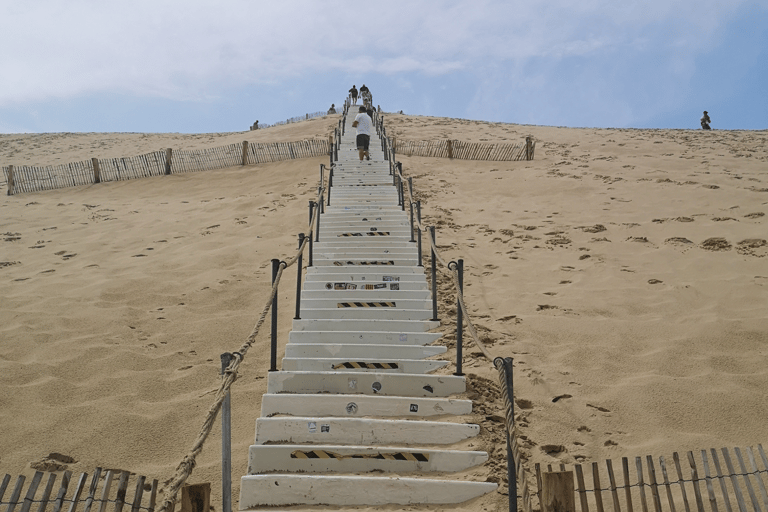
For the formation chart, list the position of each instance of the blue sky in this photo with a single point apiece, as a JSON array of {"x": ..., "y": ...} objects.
[{"x": 216, "y": 66}]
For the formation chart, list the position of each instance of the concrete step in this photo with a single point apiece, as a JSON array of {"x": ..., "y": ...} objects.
[
  {"x": 369, "y": 311},
  {"x": 361, "y": 431},
  {"x": 359, "y": 364},
  {"x": 346, "y": 406},
  {"x": 283, "y": 490},
  {"x": 384, "y": 296},
  {"x": 385, "y": 261},
  {"x": 375, "y": 291},
  {"x": 364, "y": 337},
  {"x": 367, "y": 383},
  {"x": 357, "y": 351},
  {"x": 334, "y": 458},
  {"x": 380, "y": 325},
  {"x": 351, "y": 289}
]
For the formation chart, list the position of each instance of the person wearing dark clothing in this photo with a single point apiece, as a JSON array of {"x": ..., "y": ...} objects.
[
  {"x": 705, "y": 120},
  {"x": 353, "y": 94}
]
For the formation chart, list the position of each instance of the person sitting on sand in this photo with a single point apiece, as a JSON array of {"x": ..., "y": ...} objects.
[
  {"x": 332, "y": 110},
  {"x": 705, "y": 120}
]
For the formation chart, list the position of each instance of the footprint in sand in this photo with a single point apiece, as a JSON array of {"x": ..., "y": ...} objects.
[{"x": 716, "y": 244}]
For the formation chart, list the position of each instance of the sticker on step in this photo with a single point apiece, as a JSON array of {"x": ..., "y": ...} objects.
[
  {"x": 379, "y": 286},
  {"x": 344, "y": 286},
  {"x": 414, "y": 407},
  {"x": 325, "y": 429},
  {"x": 390, "y": 278},
  {"x": 312, "y": 427},
  {"x": 403, "y": 336},
  {"x": 394, "y": 286}
]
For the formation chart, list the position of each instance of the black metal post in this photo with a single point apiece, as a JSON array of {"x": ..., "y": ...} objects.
[
  {"x": 226, "y": 441},
  {"x": 506, "y": 368},
  {"x": 418, "y": 216},
  {"x": 330, "y": 185},
  {"x": 317, "y": 225},
  {"x": 298, "y": 280},
  {"x": 273, "y": 351},
  {"x": 402, "y": 195},
  {"x": 413, "y": 238},
  {"x": 459, "y": 321},
  {"x": 434, "y": 274},
  {"x": 311, "y": 231}
]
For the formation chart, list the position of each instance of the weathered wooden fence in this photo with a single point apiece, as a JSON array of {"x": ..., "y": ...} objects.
[
  {"x": 25, "y": 178},
  {"x": 296, "y": 119},
  {"x": 466, "y": 150},
  {"x": 116, "y": 496},
  {"x": 710, "y": 480}
]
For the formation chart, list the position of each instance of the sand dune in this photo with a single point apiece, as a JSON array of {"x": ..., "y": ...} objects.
[{"x": 624, "y": 270}]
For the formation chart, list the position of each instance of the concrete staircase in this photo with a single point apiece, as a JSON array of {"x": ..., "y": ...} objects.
[{"x": 356, "y": 404}]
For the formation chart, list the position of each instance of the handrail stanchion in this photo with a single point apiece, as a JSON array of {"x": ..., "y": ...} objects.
[
  {"x": 226, "y": 440},
  {"x": 317, "y": 224},
  {"x": 413, "y": 237},
  {"x": 505, "y": 367},
  {"x": 434, "y": 274},
  {"x": 330, "y": 185},
  {"x": 311, "y": 231},
  {"x": 410, "y": 202},
  {"x": 298, "y": 280},
  {"x": 402, "y": 195},
  {"x": 418, "y": 227},
  {"x": 273, "y": 347},
  {"x": 459, "y": 318}
]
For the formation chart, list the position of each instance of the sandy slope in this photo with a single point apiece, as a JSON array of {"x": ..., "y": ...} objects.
[{"x": 624, "y": 270}]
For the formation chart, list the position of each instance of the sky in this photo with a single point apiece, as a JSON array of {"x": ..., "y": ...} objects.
[{"x": 198, "y": 66}]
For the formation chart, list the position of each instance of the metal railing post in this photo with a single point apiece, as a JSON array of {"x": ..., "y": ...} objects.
[
  {"x": 459, "y": 319},
  {"x": 418, "y": 227},
  {"x": 413, "y": 237},
  {"x": 330, "y": 185},
  {"x": 317, "y": 224},
  {"x": 298, "y": 280},
  {"x": 311, "y": 232},
  {"x": 434, "y": 274},
  {"x": 226, "y": 440},
  {"x": 505, "y": 367},
  {"x": 273, "y": 344},
  {"x": 402, "y": 195}
]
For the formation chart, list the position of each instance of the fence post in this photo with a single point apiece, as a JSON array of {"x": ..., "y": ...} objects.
[
  {"x": 298, "y": 280},
  {"x": 557, "y": 492},
  {"x": 418, "y": 217},
  {"x": 459, "y": 319},
  {"x": 434, "y": 274},
  {"x": 96, "y": 170},
  {"x": 10, "y": 180},
  {"x": 226, "y": 441},
  {"x": 168, "y": 157},
  {"x": 450, "y": 148},
  {"x": 273, "y": 347},
  {"x": 528, "y": 149},
  {"x": 245, "y": 152}
]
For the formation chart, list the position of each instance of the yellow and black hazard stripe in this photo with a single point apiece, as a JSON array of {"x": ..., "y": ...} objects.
[
  {"x": 377, "y": 233},
  {"x": 366, "y": 305},
  {"x": 325, "y": 454},
  {"x": 354, "y": 365}
]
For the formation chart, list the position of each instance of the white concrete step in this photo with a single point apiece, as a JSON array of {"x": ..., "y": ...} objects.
[
  {"x": 335, "y": 288},
  {"x": 361, "y": 431},
  {"x": 357, "y": 351},
  {"x": 295, "y": 458},
  {"x": 360, "y": 364},
  {"x": 373, "y": 383},
  {"x": 346, "y": 406},
  {"x": 384, "y": 261},
  {"x": 339, "y": 324},
  {"x": 376, "y": 296},
  {"x": 372, "y": 313},
  {"x": 370, "y": 272},
  {"x": 367, "y": 294},
  {"x": 277, "y": 490},
  {"x": 364, "y": 337}
]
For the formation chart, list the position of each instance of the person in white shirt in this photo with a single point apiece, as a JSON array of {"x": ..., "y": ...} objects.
[{"x": 364, "y": 124}]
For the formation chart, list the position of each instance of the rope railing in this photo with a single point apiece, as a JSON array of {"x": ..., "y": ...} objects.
[
  {"x": 452, "y": 271},
  {"x": 187, "y": 465}
]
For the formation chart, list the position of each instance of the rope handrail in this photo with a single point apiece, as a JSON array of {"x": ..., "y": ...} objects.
[
  {"x": 187, "y": 465},
  {"x": 453, "y": 272}
]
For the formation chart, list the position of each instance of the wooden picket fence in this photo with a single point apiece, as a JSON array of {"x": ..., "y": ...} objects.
[
  {"x": 117, "y": 496},
  {"x": 680, "y": 484},
  {"x": 24, "y": 178},
  {"x": 466, "y": 150},
  {"x": 295, "y": 119}
]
